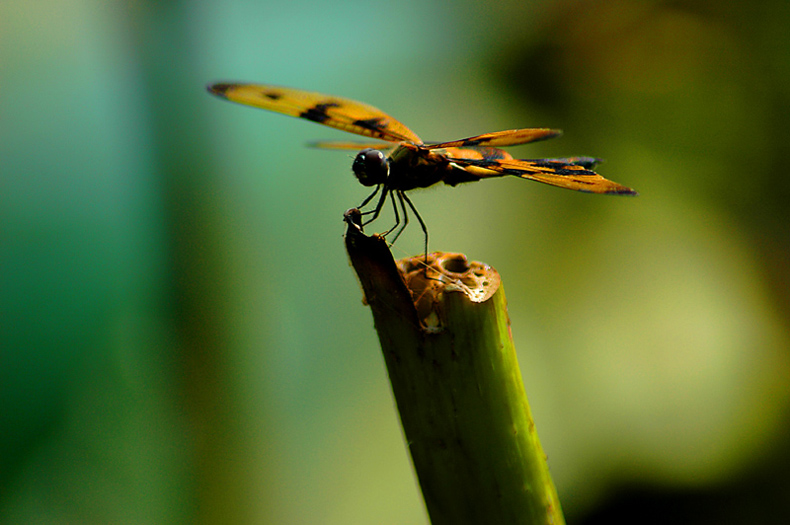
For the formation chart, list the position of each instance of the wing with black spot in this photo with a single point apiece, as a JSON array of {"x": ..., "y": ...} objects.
[
  {"x": 510, "y": 137},
  {"x": 573, "y": 173},
  {"x": 336, "y": 112}
]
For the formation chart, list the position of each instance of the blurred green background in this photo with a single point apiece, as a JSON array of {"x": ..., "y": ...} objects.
[{"x": 183, "y": 341}]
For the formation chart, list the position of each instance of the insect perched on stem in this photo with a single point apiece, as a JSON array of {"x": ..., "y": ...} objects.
[{"x": 411, "y": 163}]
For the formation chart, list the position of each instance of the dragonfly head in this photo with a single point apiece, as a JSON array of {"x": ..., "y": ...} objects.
[{"x": 371, "y": 167}]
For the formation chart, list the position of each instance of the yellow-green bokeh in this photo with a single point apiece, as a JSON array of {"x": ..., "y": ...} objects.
[{"x": 182, "y": 339}]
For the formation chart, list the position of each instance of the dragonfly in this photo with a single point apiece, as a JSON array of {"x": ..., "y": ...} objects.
[{"x": 400, "y": 161}]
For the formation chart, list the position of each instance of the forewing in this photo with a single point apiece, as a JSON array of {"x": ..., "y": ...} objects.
[
  {"x": 352, "y": 145},
  {"x": 471, "y": 153},
  {"x": 336, "y": 112},
  {"x": 572, "y": 173},
  {"x": 511, "y": 137}
]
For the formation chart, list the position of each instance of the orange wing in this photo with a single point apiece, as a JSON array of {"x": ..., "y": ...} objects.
[
  {"x": 511, "y": 137},
  {"x": 336, "y": 112},
  {"x": 573, "y": 173},
  {"x": 352, "y": 145}
]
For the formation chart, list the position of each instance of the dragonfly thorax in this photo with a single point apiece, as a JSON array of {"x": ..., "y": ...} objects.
[{"x": 371, "y": 167}]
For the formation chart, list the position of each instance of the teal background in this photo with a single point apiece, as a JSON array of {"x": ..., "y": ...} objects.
[{"x": 182, "y": 339}]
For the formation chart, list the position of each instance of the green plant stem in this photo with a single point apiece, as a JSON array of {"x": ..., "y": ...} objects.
[{"x": 457, "y": 385}]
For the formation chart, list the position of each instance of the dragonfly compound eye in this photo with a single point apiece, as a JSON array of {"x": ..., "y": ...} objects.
[{"x": 370, "y": 167}]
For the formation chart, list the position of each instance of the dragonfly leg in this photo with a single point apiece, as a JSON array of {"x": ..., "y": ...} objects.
[
  {"x": 422, "y": 223},
  {"x": 369, "y": 197},
  {"x": 405, "y": 216},
  {"x": 397, "y": 217},
  {"x": 379, "y": 205}
]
